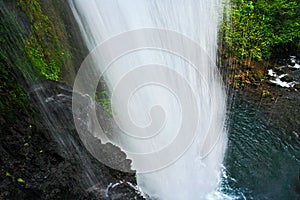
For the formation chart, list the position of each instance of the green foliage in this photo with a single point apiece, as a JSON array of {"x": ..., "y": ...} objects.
[
  {"x": 43, "y": 47},
  {"x": 33, "y": 54},
  {"x": 256, "y": 27},
  {"x": 102, "y": 97},
  {"x": 265, "y": 93},
  {"x": 246, "y": 37}
]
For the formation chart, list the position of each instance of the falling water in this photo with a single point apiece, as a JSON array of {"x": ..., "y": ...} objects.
[{"x": 176, "y": 87}]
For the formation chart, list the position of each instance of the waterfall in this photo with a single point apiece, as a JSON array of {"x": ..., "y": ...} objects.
[{"x": 158, "y": 61}]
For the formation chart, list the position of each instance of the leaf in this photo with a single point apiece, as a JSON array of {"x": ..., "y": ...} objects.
[{"x": 20, "y": 180}]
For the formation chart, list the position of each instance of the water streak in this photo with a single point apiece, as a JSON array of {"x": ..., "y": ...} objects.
[{"x": 194, "y": 174}]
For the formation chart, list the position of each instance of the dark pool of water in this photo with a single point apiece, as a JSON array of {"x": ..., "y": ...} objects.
[{"x": 263, "y": 159}]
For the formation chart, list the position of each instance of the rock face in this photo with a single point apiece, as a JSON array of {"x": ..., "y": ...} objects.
[
  {"x": 41, "y": 154},
  {"x": 49, "y": 157},
  {"x": 60, "y": 13}
]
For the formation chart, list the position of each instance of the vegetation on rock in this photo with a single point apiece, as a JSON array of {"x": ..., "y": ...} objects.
[
  {"x": 43, "y": 46},
  {"x": 256, "y": 31},
  {"x": 31, "y": 49}
]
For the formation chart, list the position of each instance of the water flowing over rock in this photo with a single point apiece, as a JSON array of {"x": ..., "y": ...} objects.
[
  {"x": 158, "y": 61},
  {"x": 53, "y": 101}
]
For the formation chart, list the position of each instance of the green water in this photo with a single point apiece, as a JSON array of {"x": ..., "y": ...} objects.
[{"x": 262, "y": 161}]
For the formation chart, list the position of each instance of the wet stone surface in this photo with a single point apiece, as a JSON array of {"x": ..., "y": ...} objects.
[{"x": 44, "y": 158}]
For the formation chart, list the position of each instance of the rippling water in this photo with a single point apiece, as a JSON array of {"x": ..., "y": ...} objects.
[{"x": 263, "y": 161}]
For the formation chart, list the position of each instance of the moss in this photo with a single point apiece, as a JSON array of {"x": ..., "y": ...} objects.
[
  {"x": 43, "y": 46},
  {"x": 102, "y": 97},
  {"x": 33, "y": 47}
]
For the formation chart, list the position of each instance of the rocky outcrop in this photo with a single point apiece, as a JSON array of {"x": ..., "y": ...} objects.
[{"x": 44, "y": 158}]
